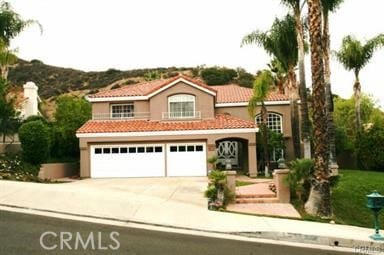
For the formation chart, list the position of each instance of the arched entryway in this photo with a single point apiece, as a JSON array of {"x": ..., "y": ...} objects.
[{"x": 232, "y": 153}]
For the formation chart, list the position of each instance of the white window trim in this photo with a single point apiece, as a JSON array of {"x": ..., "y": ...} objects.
[
  {"x": 111, "y": 111},
  {"x": 172, "y": 99},
  {"x": 275, "y": 113}
]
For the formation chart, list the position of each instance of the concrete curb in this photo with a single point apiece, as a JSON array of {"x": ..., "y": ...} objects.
[
  {"x": 293, "y": 238},
  {"x": 313, "y": 239}
]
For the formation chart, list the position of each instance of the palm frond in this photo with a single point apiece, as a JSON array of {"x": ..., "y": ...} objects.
[
  {"x": 256, "y": 37},
  {"x": 279, "y": 42},
  {"x": 354, "y": 55},
  {"x": 261, "y": 88},
  {"x": 11, "y": 24},
  {"x": 331, "y": 5}
]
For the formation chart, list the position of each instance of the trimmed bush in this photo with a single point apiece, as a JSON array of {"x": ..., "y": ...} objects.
[{"x": 34, "y": 138}]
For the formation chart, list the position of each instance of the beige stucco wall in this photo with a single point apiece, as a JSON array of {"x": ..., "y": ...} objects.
[
  {"x": 242, "y": 112},
  {"x": 204, "y": 101},
  {"x": 100, "y": 108},
  {"x": 284, "y": 110},
  {"x": 85, "y": 144},
  {"x": 104, "y": 108}
]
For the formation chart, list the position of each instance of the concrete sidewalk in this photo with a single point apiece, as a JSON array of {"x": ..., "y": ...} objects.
[{"x": 177, "y": 210}]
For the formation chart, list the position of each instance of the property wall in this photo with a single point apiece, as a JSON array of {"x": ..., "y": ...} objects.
[
  {"x": 204, "y": 101},
  {"x": 10, "y": 148},
  {"x": 58, "y": 170},
  {"x": 85, "y": 144}
]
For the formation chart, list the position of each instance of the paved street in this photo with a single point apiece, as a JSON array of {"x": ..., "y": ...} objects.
[{"x": 21, "y": 233}]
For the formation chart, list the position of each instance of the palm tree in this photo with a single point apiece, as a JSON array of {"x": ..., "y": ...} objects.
[
  {"x": 296, "y": 6},
  {"x": 7, "y": 58},
  {"x": 11, "y": 24},
  {"x": 261, "y": 88},
  {"x": 280, "y": 42},
  {"x": 355, "y": 55},
  {"x": 319, "y": 200},
  {"x": 329, "y": 6}
]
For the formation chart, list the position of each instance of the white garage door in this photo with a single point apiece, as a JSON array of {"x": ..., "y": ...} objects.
[
  {"x": 186, "y": 159},
  {"x": 128, "y": 160}
]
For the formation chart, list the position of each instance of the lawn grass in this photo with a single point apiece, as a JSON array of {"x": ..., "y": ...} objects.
[
  {"x": 349, "y": 198},
  {"x": 243, "y": 183}
]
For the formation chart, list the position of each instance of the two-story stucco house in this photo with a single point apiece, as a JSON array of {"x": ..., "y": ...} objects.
[{"x": 171, "y": 127}]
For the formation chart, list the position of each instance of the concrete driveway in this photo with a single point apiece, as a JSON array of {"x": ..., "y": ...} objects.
[
  {"x": 189, "y": 190},
  {"x": 135, "y": 199}
]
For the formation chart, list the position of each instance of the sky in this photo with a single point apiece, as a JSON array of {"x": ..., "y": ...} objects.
[{"x": 95, "y": 35}]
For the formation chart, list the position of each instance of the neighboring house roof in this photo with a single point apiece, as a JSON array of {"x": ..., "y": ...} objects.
[
  {"x": 150, "y": 88},
  {"x": 233, "y": 93},
  {"x": 221, "y": 121}
]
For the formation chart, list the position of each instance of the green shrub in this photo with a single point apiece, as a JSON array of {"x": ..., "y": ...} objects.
[
  {"x": 244, "y": 78},
  {"x": 217, "y": 185},
  {"x": 34, "y": 138},
  {"x": 299, "y": 176},
  {"x": 370, "y": 148},
  {"x": 218, "y": 76},
  {"x": 71, "y": 114},
  {"x": 35, "y": 118}
]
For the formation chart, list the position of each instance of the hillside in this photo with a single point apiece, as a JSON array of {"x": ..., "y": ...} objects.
[{"x": 54, "y": 81}]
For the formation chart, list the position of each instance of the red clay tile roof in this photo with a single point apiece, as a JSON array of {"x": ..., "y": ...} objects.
[
  {"x": 146, "y": 88},
  {"x": 233, "y": 93},
  {"x": 221, "y": 121}
]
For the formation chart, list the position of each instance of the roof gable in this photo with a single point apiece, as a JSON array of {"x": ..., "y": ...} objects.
[{"x": 146, "y": 90}]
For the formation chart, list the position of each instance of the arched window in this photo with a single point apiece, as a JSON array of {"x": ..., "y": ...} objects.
[
  {"x": 181, "y": 106},
  {"x": 274, "y": 121}
]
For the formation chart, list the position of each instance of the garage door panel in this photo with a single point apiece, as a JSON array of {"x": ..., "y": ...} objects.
[
  {"x": 186, "y": 159},
  {"x": 128, "y": 160}
]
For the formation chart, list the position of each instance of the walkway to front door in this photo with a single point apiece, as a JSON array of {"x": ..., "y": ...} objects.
[{"x": 258, "y": 198}]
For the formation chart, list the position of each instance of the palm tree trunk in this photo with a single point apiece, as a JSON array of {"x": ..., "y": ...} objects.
[
  {"x": 264, "y": 130},
  {"x": 293, "y": 96},
  {"x": 319, "y": 201},
  {"x": 302, "y": 85},
  {"x": 328, "y": 91},
  {"x": 357, "y": 95},
  {"x": 4, "y": 71}
]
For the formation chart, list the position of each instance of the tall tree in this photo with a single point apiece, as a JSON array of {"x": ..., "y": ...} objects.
[
  {"x": 261, "y": 88},
  {"x": 11, "y": 24},
  {"x": 280, "y": 42},
  {"x": 329, "y": 6},
  {"x": 319, "y": 201},
  {"x": 7, "y": 58},
  {"x": 354, "y": 56},
  {"x": 9, "y": 121},
  {"x": 296, "y": 7}
]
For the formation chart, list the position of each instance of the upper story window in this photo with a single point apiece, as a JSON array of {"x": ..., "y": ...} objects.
[
  {"x": 274, "y": 122},
  {"x": 181, "y": 106},
  {"x": 120, "y": 111}
]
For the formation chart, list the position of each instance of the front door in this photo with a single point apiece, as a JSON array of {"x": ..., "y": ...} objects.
[{"x": 228, "y": 152}]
